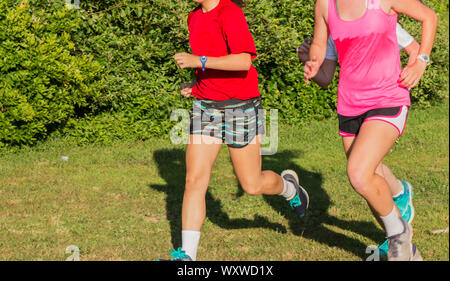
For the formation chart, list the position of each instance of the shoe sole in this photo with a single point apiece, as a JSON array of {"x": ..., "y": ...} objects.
[
  {"x": 417, "y": 256},
  {"x": 294, "y": 174}
]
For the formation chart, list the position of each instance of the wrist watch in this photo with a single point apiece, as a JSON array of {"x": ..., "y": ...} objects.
[
  {"x": 424, "y": 58},
  {"x": 203, "y": 60}
]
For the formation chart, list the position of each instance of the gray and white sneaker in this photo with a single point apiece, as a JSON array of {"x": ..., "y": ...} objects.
[
  {"x": 400, "y": 246},
  {"x": 300, "y": 202}
]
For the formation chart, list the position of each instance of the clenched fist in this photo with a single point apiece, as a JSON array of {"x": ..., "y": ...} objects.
[{"x": 185, "y": 60}]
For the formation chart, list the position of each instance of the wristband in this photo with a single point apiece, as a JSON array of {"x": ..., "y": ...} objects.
[{"x": 203, "y": 60}]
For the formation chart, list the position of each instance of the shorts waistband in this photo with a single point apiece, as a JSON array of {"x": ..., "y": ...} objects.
[{"x": 231, "y": 103}]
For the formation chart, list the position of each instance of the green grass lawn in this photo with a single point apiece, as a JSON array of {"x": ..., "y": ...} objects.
[{"x": 123, "y": 201}]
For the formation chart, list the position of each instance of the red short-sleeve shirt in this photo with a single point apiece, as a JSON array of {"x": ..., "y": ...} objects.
[{"x": 216, "y": 33}]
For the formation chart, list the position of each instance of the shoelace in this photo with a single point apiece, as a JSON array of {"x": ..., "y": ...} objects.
[
  {"x": 295, "y": 202},
  {"x": 179, "y": 254},
  {"x": 394, "y": 244}
]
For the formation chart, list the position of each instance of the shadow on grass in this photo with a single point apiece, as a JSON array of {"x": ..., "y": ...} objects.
[
  {"x": 171, "y": 166},
  {"x": 314, "y": 225}
]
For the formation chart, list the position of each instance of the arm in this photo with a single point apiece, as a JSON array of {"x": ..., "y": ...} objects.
[
  {"x": 319, "y": 45},
  {"x": 412, "y": 50},
  {"x": 233, "y": 62},
  {"x": 326, "y": 72},
  {"x": 407, "y": 43},
  {"x": 412, "y": 74}
]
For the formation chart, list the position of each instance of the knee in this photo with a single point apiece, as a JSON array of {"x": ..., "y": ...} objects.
[
  {"x": 196, "y": 182},
  {"x": 358, "y": 177},
  {"x": 252, "y": 188}
]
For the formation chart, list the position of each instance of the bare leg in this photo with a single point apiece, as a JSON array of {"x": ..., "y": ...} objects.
[
  {"x": 382, "y": 170},
  {"x": 200, "y": 158},
  {"x": 374, "y": 141},
  {"x": 394, "y": 184},
  {"x": 247, "y": 166}
]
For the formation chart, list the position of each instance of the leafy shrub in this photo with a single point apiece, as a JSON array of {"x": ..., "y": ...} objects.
[
  {"x": 106, "y": 72},
  {"x": 42, "y": 83},
  {"x": 434, "y": 84},
  {"x": 278, "y": 28},
  {"x": 135, "y": 44}
]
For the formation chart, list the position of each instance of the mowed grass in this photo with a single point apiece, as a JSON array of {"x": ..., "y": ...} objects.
[{"x": 123, "y": 201}]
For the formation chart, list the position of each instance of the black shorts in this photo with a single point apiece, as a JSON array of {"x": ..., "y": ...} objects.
[
  {"x": 235, "y": 122},
  {"x": 396, "y": 116}
]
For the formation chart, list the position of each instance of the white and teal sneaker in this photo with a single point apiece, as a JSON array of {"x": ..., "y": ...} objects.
[
  {"x": 406, "y": 208},
  {"x": 178, "y": 255},
  {"x": 404, "y": 202}
]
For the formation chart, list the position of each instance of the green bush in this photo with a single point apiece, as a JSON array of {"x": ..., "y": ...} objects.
[
  {"x": 141, "y": 38},
  {"x": 42, "y": 83},
  {"x": 279, "y": 27},
  {"x": 434, "y": 84},
  {"x": 135, "y": 44},
  {"x": 105, "y": 72}
]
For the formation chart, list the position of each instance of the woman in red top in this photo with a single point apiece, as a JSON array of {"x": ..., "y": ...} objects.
[{"x": 227, "y": 109}]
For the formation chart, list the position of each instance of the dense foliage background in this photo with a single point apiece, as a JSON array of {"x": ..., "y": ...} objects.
[{"x": 105, "y": 71}]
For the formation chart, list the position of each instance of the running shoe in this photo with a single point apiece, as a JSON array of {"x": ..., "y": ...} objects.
[
  {"x": 178, "y": 255},
  {"x": 400, "y": 246},
  {"x": 406, "y": 209},
  {"x": 384, "y": 248},
  {"x": 300, "y": 202},
  {"x": 404, "y": 202},
  {"x": 416, "y": 254}
]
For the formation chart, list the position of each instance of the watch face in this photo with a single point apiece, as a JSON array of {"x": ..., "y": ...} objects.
[{"x": 425, "y": 58}]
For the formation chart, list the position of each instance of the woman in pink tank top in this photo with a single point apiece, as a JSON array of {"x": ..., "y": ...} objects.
[{"x": 373, "y": 87}]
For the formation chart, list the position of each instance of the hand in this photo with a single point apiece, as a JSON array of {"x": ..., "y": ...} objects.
[
  {"x": 311, "y": 68},
  {"x": 303, "y": 50},
  {"x": 412, "y": 59},
  {"x": 412, "y": 50},
  {"x": 185, "y": 60},
  {"x": 412, "y": 74},
  {"x": 187, "y": 92}
]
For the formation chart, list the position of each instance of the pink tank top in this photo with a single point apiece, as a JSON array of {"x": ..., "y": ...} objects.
[{"x": 369, "y": 60}]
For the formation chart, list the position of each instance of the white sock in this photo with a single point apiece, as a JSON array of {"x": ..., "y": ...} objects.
[
  {"x": 393, "y": 223},
  {"x": 289, "y": 190},
  {"x": 401, "y": 192},
  {"x": 189, "y": 240}
]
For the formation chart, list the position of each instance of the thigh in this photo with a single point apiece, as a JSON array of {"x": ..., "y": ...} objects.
[
  {"x": 201, "y": 153},
  {"x": 348, "y": 143},
  {"x": 374, "y": 141}
]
